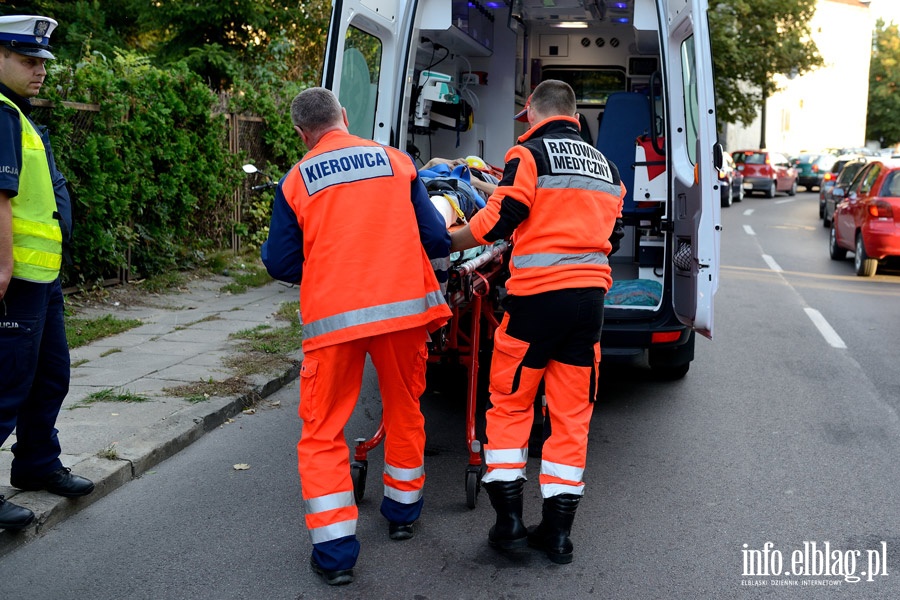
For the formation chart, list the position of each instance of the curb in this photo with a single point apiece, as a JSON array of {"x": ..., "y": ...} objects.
[{"x": 140, "y": 454}]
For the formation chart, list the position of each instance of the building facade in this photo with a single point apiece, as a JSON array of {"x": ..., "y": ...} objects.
[{"x": 825, "y": 108}]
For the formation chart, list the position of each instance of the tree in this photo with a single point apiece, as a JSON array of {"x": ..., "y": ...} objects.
[
  {"x": 883, "y": 118},
  {"x": 753, "y": 40},
  {"x": 221, "y": 41}
]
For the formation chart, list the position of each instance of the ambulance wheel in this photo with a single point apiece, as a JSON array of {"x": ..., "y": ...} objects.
[
  {"x": 473, "y": 485},
  {"x": 358, "y": 470}
]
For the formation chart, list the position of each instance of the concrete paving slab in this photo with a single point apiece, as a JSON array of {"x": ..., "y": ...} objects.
[{"x": 185, "y": 337}]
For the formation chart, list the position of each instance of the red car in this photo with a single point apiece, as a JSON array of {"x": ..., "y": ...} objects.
[
  {"x": 767, "y": 172},
  {"x": 867, "y": 219}
]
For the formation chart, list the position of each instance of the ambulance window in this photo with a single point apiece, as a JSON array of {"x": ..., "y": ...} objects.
[
  {"x": 591, "y": 85},
  {"x": 691, "y": 98},
  {"x": 359, "y": 80}
]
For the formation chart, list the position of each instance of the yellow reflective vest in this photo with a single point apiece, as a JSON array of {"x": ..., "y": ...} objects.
[{"x": 37, "y": 236}]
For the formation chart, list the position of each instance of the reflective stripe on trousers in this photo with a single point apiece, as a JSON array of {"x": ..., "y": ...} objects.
[
  {"x": 325, "y": 509},
  {"x": 404, "y": 485}
]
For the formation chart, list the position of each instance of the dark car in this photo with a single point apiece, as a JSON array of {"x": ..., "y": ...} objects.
[
  {"x": 731, "y": 181},
  {"x": 811, "y": 169},
  {"x": 830, "y": 195},
  {"x": 767, "y": 172},
  {"x": 867, "y": 220}
]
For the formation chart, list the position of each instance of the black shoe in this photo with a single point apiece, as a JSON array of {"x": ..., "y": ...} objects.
[
  {"x": 339, "y": 577},
  {"x": 396, "y": 531},
  {"x": 14, "y": 517},
  {"x": 60, "y": 482}
]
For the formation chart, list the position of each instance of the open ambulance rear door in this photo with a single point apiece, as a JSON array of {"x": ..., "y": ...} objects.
[
  {"x": 691, "y": 134},
  {"x": 368, "y": 51}
]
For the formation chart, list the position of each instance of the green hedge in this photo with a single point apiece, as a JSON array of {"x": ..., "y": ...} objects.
[{"x": 152, "y": 179}]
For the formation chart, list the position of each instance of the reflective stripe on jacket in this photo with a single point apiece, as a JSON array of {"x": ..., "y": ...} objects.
[
  {"x": 37, "y": 236},
  {"x": 365, "y": 270},
  {"x": 561, "y": 201}
]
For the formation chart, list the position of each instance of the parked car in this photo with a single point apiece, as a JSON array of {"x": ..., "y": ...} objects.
[
  {"x": 767, "y": 172},
  {"x": 867, "y": 220},
  {"x": 731, "y": 181},
  {"x": 811, "y": 169},
  {"x": 830, "y": 194}
]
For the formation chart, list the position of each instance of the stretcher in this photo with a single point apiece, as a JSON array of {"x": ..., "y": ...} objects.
[{"x": 473, "y": 294}]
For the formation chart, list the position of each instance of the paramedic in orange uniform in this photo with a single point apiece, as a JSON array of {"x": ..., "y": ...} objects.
[
  {"x": 352, "y": 223},
  {"x": 560, "y": 201}
]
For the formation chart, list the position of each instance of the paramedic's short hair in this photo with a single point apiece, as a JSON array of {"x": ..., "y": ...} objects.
[
  {"x": 554, "y": 97},
  {"x": 314, "y": 109}
]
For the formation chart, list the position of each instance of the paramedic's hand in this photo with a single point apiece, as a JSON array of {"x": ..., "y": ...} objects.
[{"x": 462, "y": 239}]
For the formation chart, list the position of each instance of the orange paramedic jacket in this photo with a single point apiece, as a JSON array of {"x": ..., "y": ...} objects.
[
  {"x": 365, "y": 271},
  {"x": 561, "y": 201}
]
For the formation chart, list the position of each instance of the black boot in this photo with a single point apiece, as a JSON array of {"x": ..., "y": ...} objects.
[
  {"x": 509, "y": 532},
  {"x": 552, "y": 535}
]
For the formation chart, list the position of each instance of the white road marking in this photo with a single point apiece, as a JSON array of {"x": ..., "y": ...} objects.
[
  {"x": 748, "y": 212},
  {"x": 772, "y": 264},
  {"x": 785, "y": 200},
  {"x": 824, "y": 328},
  {"x": 749, "y": 230}
]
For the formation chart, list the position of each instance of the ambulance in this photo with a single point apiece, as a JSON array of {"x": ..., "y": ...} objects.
[{"x": 445, "y": 78}]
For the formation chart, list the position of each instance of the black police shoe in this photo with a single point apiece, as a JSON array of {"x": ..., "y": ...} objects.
[
  {"x": 60, "y": 482},
  {"x": 14, "y": 517},
  {"x": 339, "y": 577},
  {"x": 396, "y": 531}
]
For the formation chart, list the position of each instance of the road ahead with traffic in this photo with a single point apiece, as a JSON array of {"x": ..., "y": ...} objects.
[{"x": 771, "y": 469}]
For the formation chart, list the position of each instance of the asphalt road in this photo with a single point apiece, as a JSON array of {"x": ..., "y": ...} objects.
[{"x": 774, "y": 437}]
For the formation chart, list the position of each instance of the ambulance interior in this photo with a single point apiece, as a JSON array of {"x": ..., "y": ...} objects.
[{"x": 473, "y": 76}]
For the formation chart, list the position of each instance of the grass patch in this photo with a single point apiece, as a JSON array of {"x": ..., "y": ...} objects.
[
  {"x": 78, "y": 363},
  {"x": 111, "y": 395},
  {"x": 80, "y": 331},
  {"x": 110, "y": 351},
  {"x": 245, "y": 277},
  {"x": 162, "y": 282},
  {"x": 109, "y": 453},
  {"x": 272, "y": 340},
  {"x": 202, "y": 391}
]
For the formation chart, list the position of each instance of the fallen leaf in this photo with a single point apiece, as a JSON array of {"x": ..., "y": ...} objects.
[
  {"x": 249, "y": 411},
  {"x": 241, "y": 467}
]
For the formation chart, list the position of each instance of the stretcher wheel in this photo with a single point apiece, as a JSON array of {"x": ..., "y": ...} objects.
[
  {"x": 473, "y": 485},
  {"x": 358, "y": 470}
]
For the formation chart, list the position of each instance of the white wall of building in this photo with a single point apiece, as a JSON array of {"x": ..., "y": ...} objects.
[{"x": 825, "y": 108}]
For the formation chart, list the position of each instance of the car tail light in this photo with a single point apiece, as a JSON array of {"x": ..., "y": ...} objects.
[
  {"x": 662, "y": 337},
  {"x": 828, "y": 176},
  {"x": 815, "y": 168},
  {"x": 881, "y": 210}
]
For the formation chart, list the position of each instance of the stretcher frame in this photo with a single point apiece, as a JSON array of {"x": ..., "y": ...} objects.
[{"x": 473, "y": 296}]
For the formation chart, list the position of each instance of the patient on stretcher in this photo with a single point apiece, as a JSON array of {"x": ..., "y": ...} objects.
[{"x": 458, "y": 188}]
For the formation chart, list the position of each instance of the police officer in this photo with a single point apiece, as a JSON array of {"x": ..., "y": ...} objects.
[
  {"x": 353, "y": 224},
  {"x": 35, "y": 222},
  {"x": 560, "y": 200}
]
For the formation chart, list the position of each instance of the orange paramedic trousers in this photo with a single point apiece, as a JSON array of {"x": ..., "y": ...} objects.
[
  {"x": 330, "y": 382},
  {"x": 555, "y": 336}
]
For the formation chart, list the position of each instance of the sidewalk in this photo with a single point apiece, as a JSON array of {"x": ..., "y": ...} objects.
[{"x": 184, "y": 339}]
